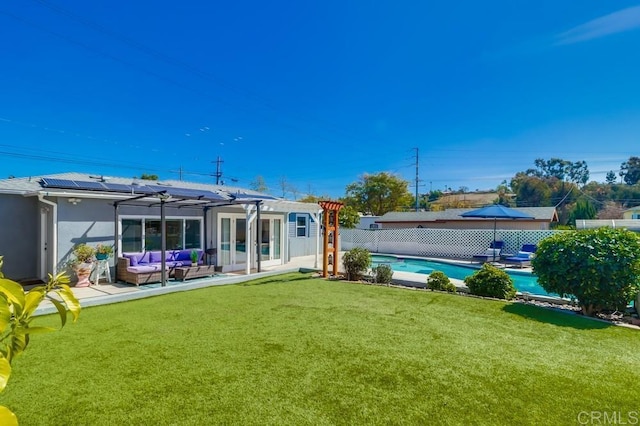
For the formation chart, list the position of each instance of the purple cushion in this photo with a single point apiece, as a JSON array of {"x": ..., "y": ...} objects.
[
  {"x": 144, "y": 268},
  {"x": 133, "y": 258},
  {"x": 156, "y": 256},
  {"x": 183, "y": 255}
]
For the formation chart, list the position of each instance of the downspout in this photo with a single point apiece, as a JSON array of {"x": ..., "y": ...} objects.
[
  {"x": 258, "y": 236},
  {"x": 54, "y": 233},
  {"x": 286, "y": 240},
  {"x": 116, "y": 239},
  {"x": 318, "y": 229},
  {"x": 204, "y": 232}
]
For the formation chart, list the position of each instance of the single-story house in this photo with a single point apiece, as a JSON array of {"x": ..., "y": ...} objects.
[
  {"x": 632, "y": 213},
  {"x": 368, "y": 222},
  {"x": 44, "y": 217},
  {"x": 543, "y": 217}
]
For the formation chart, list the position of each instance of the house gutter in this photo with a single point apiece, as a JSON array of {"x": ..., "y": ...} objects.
[{"x": 54, "y": 233}]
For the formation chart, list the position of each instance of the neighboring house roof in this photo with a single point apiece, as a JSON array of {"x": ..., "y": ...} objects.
[
  {"x": 632, "y": 209},
  {"x": 32, "y": 185},
  {"x": 538, "y": 213}
]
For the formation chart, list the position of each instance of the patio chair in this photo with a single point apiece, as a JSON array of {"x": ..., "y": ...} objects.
[
  {"x": 523, "y": 257},
  {"x": 491, "y": 254}
]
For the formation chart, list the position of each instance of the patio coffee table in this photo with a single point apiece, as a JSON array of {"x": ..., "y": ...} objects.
[{"x": 186, "y": 272}]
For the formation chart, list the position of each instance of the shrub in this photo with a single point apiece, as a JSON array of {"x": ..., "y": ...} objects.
[
  {"x": 384, "y": 274},
  {"x": 450, "y": 288},
  {"x": 490, "y": 281},
  {"x": 356, "y": 262},
  {"x": 600, "y": 267},
  {"x": 437, "y": 280}
]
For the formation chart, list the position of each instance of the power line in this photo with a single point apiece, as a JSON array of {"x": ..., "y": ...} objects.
[{"x": 186, "y": 66}]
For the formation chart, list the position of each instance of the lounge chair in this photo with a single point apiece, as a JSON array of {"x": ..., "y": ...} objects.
[
  {"x": 523, "y": 257},
  {"x": 491, "y": 254}
]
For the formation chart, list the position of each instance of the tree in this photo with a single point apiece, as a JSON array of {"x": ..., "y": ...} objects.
[
  {"x": 630, "y": 171},
  {"x": 16, "y": 314},
  {"x": 531, "y": 191},
  {"x": 578, "y": 173},
  {"x": 284, "y": 185},
  {"x": 348, "y": 217},
  {"x": 583, "y": 209},
  {"x": 600, "y": 267},
  {"x": 377, "y": 194},
  {"x": 146, "y": 176},
  {"x": 505, "y": 197},
  {"x": 611, "y": 177},
  {"x": 560, "y": 169},
  {"x": 259, "y": 185}
]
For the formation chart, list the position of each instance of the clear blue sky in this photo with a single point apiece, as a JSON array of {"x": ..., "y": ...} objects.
[{"x": 481, "y": 88}]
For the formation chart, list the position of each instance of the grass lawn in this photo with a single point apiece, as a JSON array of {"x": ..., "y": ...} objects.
[{"x": 298, "y": 350}]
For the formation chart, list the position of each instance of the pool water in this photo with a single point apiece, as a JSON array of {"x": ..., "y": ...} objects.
[{"x": 522, "y": 281}]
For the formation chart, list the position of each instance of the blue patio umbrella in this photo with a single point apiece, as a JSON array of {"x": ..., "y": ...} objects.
[{"x": 495, "y": 212}]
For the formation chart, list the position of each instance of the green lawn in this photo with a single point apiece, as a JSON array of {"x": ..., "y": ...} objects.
[{"x": 297, "y": 350}]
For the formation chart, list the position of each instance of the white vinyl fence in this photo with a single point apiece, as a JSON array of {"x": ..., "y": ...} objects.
[{"x": 444, "y": 243}]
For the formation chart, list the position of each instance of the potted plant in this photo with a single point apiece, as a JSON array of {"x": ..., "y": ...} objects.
[
  {"x": 103, "y": 251},
  {"x": 84, "y": 254},
  {"x": 81, "y": 263},
  {"x": 194, "y": 258}
]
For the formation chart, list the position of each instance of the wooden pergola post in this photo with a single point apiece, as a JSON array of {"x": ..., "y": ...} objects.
[{"x": 330, "y": 212}]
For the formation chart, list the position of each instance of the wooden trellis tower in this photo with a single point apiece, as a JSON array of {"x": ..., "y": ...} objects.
[{"x": 330, "y": 212}]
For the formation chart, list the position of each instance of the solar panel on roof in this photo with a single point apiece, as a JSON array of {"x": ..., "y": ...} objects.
[
  {"x": 253, "y": 197},
  {"x": 117, "y": 187},
  {"x": 201, "y": 194},
  {"x": 58, "y": 183},
  {"x": 185, "y": 193},
  {"x": 143, "y": 189},
  {"x": 89, "y": 185}
]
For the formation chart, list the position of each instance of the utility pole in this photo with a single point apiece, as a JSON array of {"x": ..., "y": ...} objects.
[
  {"x": 218, "y": 173},
  {"x": 417, "y": 181}
]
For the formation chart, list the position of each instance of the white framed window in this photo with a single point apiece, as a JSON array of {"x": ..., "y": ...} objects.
[
  {"x": 143, "y": 233},
  {"x": 301, "y": 226}
]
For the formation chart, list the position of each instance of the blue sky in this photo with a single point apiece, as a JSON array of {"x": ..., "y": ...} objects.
[{"x": 318, "y": 93}]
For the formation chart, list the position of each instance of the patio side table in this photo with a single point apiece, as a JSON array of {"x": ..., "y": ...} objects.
[{"x": 101, "y": 270}]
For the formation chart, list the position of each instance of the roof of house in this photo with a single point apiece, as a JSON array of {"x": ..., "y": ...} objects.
[
  {"x": 33, "y": 185},
  {"x": 538, "y": 213}
]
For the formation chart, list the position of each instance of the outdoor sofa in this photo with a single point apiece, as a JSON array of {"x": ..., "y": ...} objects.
[{"x": 146, "y": 267}]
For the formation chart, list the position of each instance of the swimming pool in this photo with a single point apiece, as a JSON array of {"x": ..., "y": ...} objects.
[{"x": 523, "y": 281}]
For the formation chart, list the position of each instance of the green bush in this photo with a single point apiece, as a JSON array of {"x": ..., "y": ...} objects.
[
  {"x": 384, "y": 273},
  {"x": 450, "y": 288},
  {"x": 356, "y": 262},
  {"x": 600, "y": 267},
  {"x": 437, "y": 280},
  {"x": 490, "y": 281}
]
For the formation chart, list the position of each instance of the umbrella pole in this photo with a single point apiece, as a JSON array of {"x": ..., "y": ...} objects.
[{"x": 495, "y": 221}]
